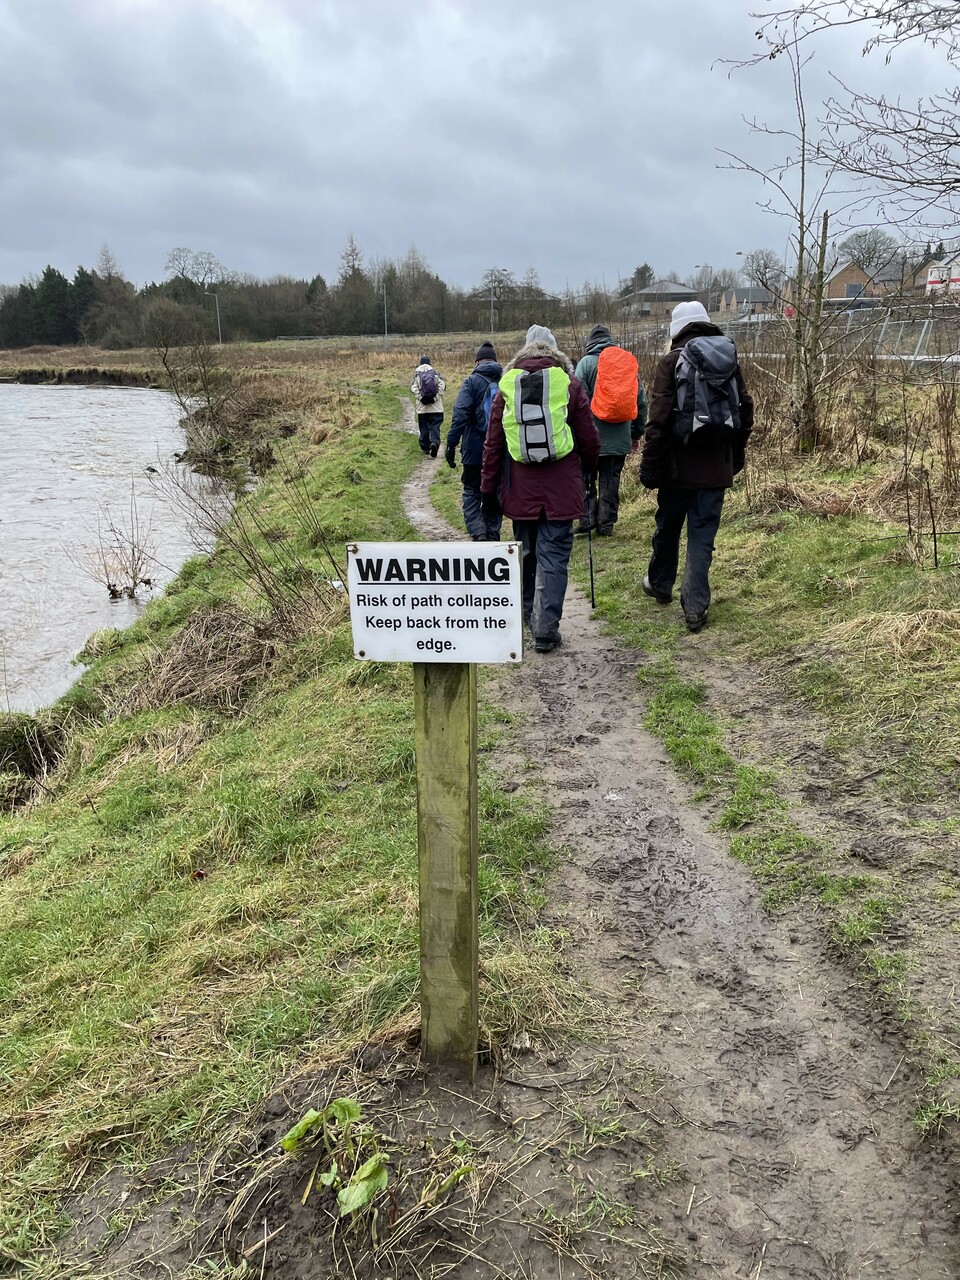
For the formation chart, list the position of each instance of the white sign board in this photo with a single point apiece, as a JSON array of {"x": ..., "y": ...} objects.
[{"x": 435, "y": 601}]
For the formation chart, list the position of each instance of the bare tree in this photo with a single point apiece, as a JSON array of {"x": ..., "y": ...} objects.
[
  {"x": 123, "y": 554},
  {"x": 500, "y": 285},
  {"x": 908, "y": 150},
  {"x": 201, "y": 268},
  {"x": 725, "y": 278},
  {"x": 766, "y": 269},
  {"x": 107, "y": 268},
  {"x": 351, "y": 258},
  {"x": 871, "y": 249},
  {"x": 799, "y": 187}
]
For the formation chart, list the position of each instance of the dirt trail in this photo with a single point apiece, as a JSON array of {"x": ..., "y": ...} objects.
[
  {"x": 738, "y": 1111},
  {"x": 792, "y": 1100}
]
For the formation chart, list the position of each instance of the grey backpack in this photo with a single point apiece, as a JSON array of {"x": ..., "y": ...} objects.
[{"x": 707, "y": 394}]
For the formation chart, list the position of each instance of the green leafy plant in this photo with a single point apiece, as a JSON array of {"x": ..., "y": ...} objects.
[{"x": 345, "y": 1139}]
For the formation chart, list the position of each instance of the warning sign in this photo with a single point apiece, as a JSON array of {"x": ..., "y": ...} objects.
[{"x": 435, "y": 601}]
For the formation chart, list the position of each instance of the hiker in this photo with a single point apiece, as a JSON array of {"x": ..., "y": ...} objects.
[
  {"x": 692, "y": 448},
  {"x": 540, "y": 440},
  {"x": 428, "y": 387},
  {"x": 618, "y": 403},
  {"x": 468, "y": 428}
]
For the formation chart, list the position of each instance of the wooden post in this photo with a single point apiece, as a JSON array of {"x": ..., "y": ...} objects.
[{"x": 445, "y": 709}]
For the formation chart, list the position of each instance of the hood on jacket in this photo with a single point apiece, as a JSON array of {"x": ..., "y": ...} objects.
[
  {"x": 598, "y": 338},
  {"x": 542, "y": 351},
  {"x": 491, "y": 369},
  {"x": 698, "y": 329}
]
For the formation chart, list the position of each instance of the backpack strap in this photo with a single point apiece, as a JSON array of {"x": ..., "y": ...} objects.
[{"x": 479, "y": 411}]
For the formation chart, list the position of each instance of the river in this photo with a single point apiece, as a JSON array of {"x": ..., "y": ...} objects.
[{"x": 74, "y": 463}]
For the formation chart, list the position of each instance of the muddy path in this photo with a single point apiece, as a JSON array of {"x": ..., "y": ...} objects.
[
  {"x": 735, "y": 1108},
  {"x": 792, "y": 1098}
]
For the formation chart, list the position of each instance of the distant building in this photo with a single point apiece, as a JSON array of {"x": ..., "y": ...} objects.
[
  {"x": 847, "y": 281},
  {"x": 658, "y": 299},
  {"x": 897, "y": 278},
  {"x": 943, "y": 275},
  {"x": 746, "y": 300}
]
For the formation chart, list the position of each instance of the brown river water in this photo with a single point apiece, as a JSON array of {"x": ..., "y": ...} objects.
[{"x": 73, "y": 462}]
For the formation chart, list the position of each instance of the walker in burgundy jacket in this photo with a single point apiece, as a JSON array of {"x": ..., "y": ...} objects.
[{"x": 554, "y": 488}]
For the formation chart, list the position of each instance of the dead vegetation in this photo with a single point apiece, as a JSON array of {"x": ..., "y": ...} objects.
[
  {"x": 932, "y": 634},
  {"x": 213, "y": 662}
]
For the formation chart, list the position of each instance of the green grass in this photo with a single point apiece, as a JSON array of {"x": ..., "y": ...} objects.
[
  {"x": 208, "y": 898},
  {"x": 831, "y": 611}
]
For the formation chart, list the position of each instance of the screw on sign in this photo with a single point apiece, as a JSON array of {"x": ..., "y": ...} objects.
[{"x": 444, "y": 607}]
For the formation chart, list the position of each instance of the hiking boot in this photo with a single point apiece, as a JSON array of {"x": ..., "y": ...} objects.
[
  {"x": 584, "y": 528},
  {"x": 434, "y": 450},
  {"x": 655, "y": 595},
  {"x": 695, "y": 621},
  {"x": 546, "y": 644},
  {"x": 605, "y": 531}
]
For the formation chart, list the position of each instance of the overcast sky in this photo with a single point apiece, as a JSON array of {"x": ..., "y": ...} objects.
[{"x": 576, "y": 138}]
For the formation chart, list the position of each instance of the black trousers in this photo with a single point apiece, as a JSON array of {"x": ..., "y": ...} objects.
[
  {"x": 700, "y": 509},
  {"x": 603, "y": 508},
  {"x": 429, "y": 425}
]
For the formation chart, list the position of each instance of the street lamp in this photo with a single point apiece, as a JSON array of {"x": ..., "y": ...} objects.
[
  {"x": 217, "y": 301},
  {"x": 711, "y": 293}
]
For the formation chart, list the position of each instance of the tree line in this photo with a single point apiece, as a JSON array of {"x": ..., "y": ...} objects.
[{"x": 198, "y": 295}]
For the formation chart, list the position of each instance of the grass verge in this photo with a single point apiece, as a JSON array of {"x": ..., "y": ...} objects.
[
  {"x": 850, "y": 635},
  {"x": 213, "y": 888}
]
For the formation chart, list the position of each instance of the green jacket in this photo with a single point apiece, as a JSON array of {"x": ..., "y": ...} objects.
[{"x": 616, "y": 438}]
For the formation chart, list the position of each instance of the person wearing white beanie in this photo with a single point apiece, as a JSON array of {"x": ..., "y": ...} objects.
[
  {"x": 691, "y": 474},
  {"x": 685, "y": 313}
]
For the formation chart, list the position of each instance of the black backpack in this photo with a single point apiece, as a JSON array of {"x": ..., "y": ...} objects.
[{"x": 707, "y": 394}]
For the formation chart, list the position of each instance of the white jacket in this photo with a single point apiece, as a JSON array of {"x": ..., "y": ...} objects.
[{"x": 435, "y": 406}]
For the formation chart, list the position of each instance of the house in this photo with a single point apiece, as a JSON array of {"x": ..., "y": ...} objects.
[
  {"x": 658, "y": 299},
  {"x": 746, "y": 300},
  {"x": 896, "y": 278},
  {"x": 847, "y": 281},
  {"x": 943, "y": 275}
]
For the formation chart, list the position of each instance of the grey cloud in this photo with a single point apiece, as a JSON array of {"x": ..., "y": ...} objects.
[{"x": 576, "y": 139}]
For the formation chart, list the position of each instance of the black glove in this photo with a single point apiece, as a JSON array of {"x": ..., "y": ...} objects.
[
  {"x": 649, "y": 480},
  {"x": 450, "y": 453},
  {"x": 490, "y": 505}
]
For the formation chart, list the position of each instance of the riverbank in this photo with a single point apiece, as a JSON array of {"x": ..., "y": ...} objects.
[{"x": 214, "y": 880}]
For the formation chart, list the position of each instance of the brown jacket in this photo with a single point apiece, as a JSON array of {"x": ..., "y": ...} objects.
[{"x": 668, "y": 463}]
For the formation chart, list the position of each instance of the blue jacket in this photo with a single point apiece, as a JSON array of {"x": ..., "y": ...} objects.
[{"x": 465, "y": 427}]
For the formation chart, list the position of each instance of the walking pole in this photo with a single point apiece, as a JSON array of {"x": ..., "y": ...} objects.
[{"x": 593, "y": 602}]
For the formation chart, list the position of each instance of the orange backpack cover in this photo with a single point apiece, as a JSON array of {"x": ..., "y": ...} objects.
[{"x": 615, "y": 390}]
